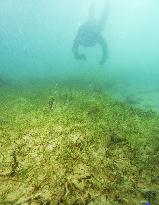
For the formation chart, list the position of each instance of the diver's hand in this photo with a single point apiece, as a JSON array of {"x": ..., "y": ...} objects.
[
  {"x": 103, "y": 60},
  {"x": 82, "y": 57}
]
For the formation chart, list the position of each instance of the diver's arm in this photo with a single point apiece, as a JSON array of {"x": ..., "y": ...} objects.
[
  {"x": 75, "y": 50},
  {"x": 103, "y": 45}
]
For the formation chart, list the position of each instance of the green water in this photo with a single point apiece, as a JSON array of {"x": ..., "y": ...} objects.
[{"x": 76, "y": 132}]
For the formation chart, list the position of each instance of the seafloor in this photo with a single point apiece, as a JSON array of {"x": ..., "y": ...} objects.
[{"x": 63, "y": 145}]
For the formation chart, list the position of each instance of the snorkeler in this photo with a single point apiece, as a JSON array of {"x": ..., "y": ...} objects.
[{"x": 89, "y": 35}]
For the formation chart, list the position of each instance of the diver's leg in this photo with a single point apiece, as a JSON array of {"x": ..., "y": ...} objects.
[
  {"x": 91, "y": 14},
  {"x": 103, "y": 19}
]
